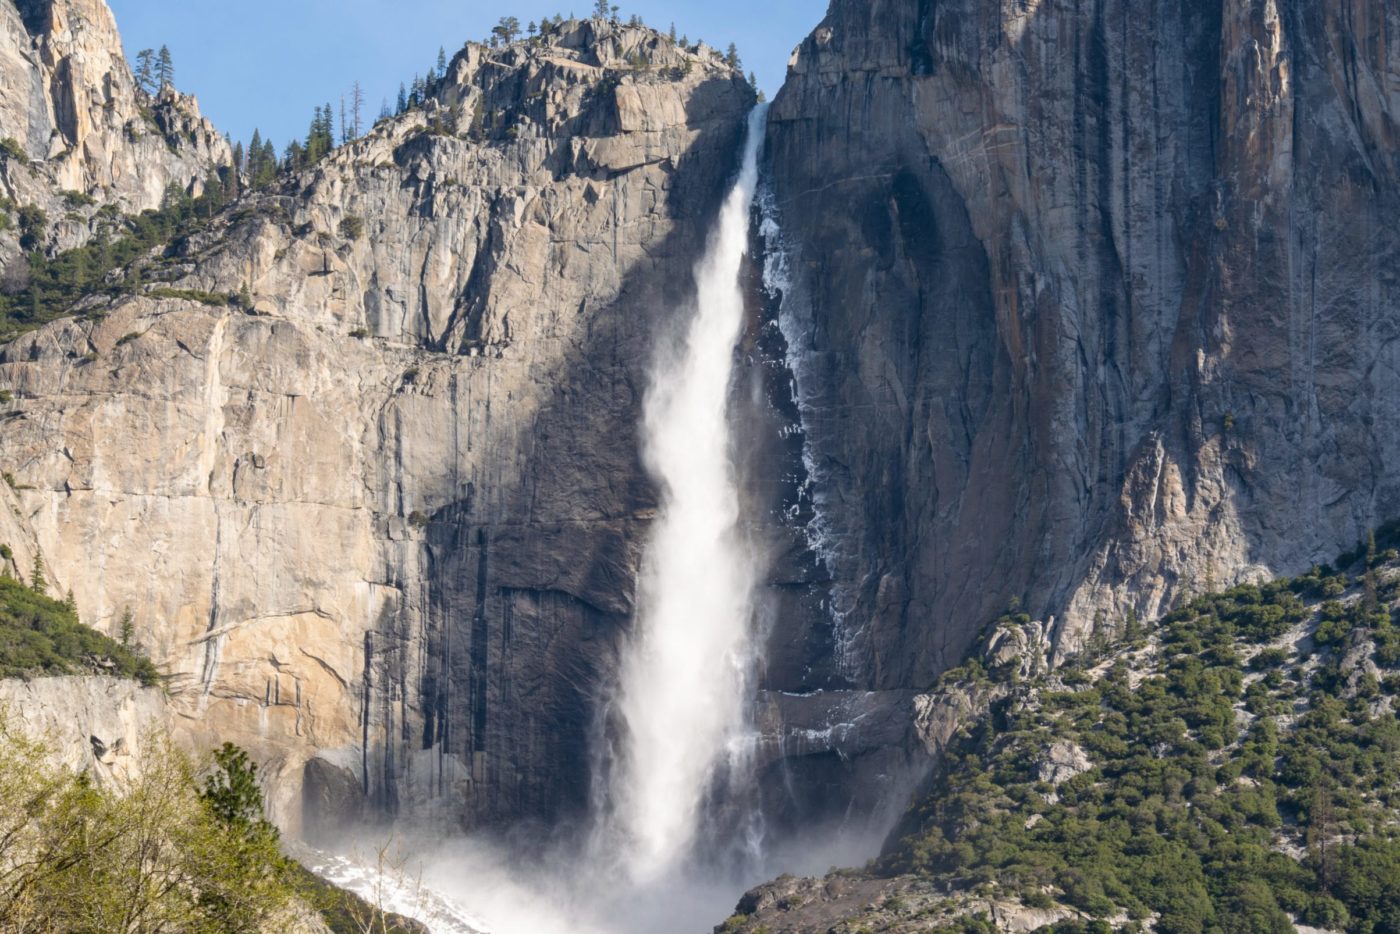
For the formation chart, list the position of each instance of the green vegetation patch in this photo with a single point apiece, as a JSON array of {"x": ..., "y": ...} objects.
[
  {"x": 42, "y": 636},
  {"x": 180, "y": 844},
  {"x": 119, "y": 259},
  {"x": 1239, "y": 771}
]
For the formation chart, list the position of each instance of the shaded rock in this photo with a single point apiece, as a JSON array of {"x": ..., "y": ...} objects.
[{"x": 1091, "y": 307}]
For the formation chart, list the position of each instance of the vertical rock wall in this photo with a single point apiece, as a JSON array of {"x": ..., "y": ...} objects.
[{"x": 1097, "y": 303}]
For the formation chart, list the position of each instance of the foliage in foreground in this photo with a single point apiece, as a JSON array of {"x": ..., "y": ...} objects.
[
  {"x": 1242, "y": 775},
  {"x": 39, "y": 635},
  {"x": 176, "y": 847},
  {"x": 160, "y": 851}
]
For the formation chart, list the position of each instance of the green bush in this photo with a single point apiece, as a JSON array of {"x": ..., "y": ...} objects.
[
  {"x": 78, "y": 199},
  {"x": 142, "y": 854},
  {"x": 133, "y": 244},
  {"x": 11, "y": 149},
  {"x": 33, "y": 227},
  {"x": 352, "y": 228}
]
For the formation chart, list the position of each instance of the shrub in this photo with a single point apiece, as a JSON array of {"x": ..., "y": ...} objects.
[
  {"x": 145, "y": 853},
  {"x": 56, "y": 284},
  {"x": 1181, "y": 812},
  {"x": 10, "y": 147},
  {"x": 33, "y": 227},
  {"x": 352, "y": 228}
]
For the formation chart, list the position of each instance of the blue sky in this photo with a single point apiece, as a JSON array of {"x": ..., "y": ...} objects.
[{"x": 268, "y": 63}]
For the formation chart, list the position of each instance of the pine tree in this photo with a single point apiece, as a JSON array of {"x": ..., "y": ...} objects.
[
  {"x": 1132, "y": 627},
  {"x": 71, "y": 602},
  {"x": 165, "y": 68},
  {"x": 268, "y": 165},
  {"x": 37, "y": 582},
  {"x": 601, "y": 9},
  {"x": 530, "y": 29},
  {"x": 403, "y": 99},
  {"x": 313, "y": 137},
  {"x": 214, "y": 192},
  {"x": 731, "y": 57},
  {"x": 442, "y": 62},
  {"x": 672, "y": 34},
  {"x": 506, "y": 29},
  {"x": 127, "y": 628},
  {"x": 146, "y": 70},
  {"x": 320, "y": 138}
]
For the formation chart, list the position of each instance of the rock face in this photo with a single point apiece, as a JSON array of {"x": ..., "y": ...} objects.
[
  {"x": 1092, "y": 305},
  {"x": 383, "y": 526},
  {"x": 70, "y": 105},
  {"x": 851, "y": 903},
  {"x": 92, "y": 724}
]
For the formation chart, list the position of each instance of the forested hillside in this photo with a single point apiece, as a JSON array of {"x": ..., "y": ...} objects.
[{"x": 1234, "y": 770}]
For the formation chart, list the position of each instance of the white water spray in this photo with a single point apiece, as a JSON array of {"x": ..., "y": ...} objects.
[{"x": 684, "y": 676}]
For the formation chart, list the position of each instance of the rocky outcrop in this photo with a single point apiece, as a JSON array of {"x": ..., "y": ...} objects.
[
  {"x": 849, "y": 903},
  {"x": 96, "y": 725},
  {"x": 382, "y": 527},
  {"x": 1088, "y": 306},
  {"x": 82, "y": 129}
]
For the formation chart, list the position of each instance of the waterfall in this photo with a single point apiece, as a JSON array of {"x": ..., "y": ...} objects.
[
  {"x": 681, "y": 705},
  {"x": 683, "y": 686}
]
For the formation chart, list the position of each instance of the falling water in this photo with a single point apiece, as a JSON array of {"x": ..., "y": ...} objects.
[
  {"x": 681, "y": 701},
  {"x": 683, "y": 685}
]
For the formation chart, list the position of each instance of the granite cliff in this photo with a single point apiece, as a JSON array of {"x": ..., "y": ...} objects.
[
  {"x": 1091, "y": 305},
  {"x": 381, "y": 526},
  {"x": 80, "y": 134}
]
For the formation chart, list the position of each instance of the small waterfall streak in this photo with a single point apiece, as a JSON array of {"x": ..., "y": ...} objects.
[
  {"x": 684, "y": 681},
  {"x": 795, "y": 323}
]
